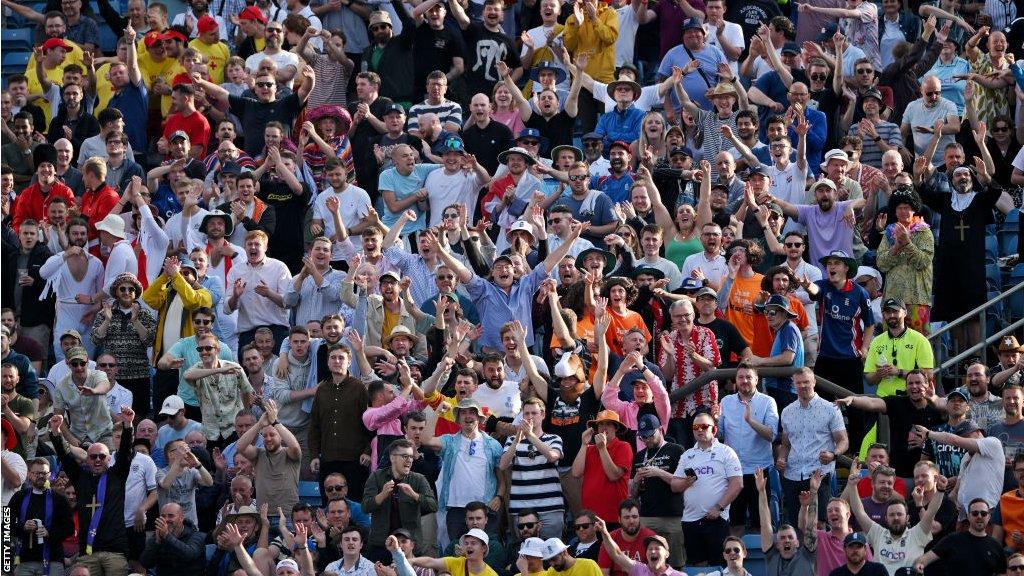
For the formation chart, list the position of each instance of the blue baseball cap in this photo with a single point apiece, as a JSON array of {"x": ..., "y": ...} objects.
[
  {"x": 529, "y": 133},
  {"x": 647, "y": 425},
  {"x": 855, "y": 538},
  {"x": 790, "y": 48}
]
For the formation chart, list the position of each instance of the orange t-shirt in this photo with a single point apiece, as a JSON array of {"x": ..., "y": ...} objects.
[
  {"x": 1011, "y": 509},
  {"x": 761, "y": 345},
  {"x": 742, "y": 296},
  {"x": 620, "y": 324}
]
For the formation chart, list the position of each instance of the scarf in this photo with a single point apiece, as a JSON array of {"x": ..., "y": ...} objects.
[{"x": 916, "y": 224}]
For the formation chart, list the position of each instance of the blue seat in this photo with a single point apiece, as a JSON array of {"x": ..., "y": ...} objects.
[
  {"x": 210, "y": 549},
  {"x": 1015, "y": 302},
  {"x": 756, "y": 566},
  {"x": 14, "y": 63},
  {"x": 1008, "y": 235},
  {"x": 752, "y": 542},
  {"x": 309, "y": 492},
  {"x": 17, "y": 40}
]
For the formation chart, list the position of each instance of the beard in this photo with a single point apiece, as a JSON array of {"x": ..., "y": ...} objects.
[
  {"x": 632, "y": 531},
  {"x": 962, "y": 187}
]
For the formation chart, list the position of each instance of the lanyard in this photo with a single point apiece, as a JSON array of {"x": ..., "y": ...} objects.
[{"x": 47, "y": 521}]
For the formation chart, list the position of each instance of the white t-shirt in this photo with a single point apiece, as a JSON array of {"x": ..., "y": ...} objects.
[
  {"x": 16, "y": 463},
  {"x": 789, "y": 184},
  {"x": 354, "y": 205},
  {"x": 714, "y": 270},
  {"x": 628, "y": 25},
  {"x": 981, "y": 474},
  {"x": 714, "y": 467},
  {"x": 282, "y": 59},
  {"x": 733, "y": 34},
  {"x": 469, "y": 475},
  {"x": 141, "y": 480},
  {"x": 505, "y": 402},
  {"x": 447, "y": 189},
  {"x": 896, "y": 553},
  {"x": 1018, "y": 160},
  {"x": 190, "y": 231}
]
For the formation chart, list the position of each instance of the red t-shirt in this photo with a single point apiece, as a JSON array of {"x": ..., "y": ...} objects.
[
  {"x": 600, "y": 494},
  {"x": 864, "y": 487},
  {"x": 195, "y": 125},
  {"x": 635, "y": 550}
]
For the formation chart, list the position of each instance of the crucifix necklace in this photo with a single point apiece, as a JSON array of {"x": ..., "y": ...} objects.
[{"x": 961, "y": 227}]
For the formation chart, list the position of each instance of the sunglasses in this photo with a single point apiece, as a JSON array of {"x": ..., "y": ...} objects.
[
  {"x": 1001, "y": 129},
  {"x": 1015, "y": 568},
  {"x": 697, "y": 427},
  {"x": 577, "y": 177},
  {"x": 593, "y": 144},
  {"x": 526, "y": 525},
  {"x": 202, "y": 322},
  {"x": 280, "y": 30},
  {"x": 819, "y": 77},
  {"x": 125, "y": 289},
  {"x": 733, "y": 550},
  {"x": 794, "y": 244},
  {"x": 865, "y": 70},
  {"x": 97, "y": 456},
  {"x": 264, "y": 84},
  {"x": 204, "y": 348},
  {"x": 772, "y": 313},
  {"x": 583, "y": 525},
  {"x": 450, "y": 216},
  {"x": 335, "y": 488},
  {"x": 76, "y": 363},
  {"x": 979, "y": 513}
]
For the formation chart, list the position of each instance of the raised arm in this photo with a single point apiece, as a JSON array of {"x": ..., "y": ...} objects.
[{"x": 853, "y": 499}]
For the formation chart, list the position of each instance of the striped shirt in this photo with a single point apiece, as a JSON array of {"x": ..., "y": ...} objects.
[
  {"x": 535, "y": 480},
  {"x": 312, "y": 302},
  {"x": 447, "y": 112}
]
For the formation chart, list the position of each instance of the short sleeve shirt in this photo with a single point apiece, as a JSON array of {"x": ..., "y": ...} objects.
[
  {"x": 810, "y": 431},
  {"x": 714, "y": 467},
  {"x": 403, "y": 187},
  {"x": 897, "y": 552},
  {"x": 220, "y": 399}
]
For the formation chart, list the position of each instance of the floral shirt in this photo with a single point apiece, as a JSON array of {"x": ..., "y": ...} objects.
[{"x": 704, "y": 343}]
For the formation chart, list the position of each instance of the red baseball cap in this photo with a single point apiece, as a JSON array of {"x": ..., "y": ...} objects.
[
  {"x": 174, "y": 35},
  {"x": 206, "y": 24},
  {"x": 56, "y": 43},
  {"x": 252, "y": 13},
  {"x": 151, "y": 37}
]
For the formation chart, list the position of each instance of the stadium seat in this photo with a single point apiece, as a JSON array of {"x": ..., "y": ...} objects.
[
  {"x": 15, "y": 62},
  {"x": 1009, "y": 242},
  {"x": 17, "y": 40},
  {"x": 108, "y": 39},
  {"x": 309, "y": 492},
  {"x": 753, "y": 544},
  {"x": 1015, "y": 302}
]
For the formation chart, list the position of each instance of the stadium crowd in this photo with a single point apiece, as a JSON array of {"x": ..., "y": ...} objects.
[{"x": 426, "y": 287}]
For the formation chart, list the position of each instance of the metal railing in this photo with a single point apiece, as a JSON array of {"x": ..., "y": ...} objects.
[{"x": 979, "y": 312}]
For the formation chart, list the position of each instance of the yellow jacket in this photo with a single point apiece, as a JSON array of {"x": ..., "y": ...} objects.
[
  {"x": 158, "y": 297},
  {"x": 597, "y": 37}
]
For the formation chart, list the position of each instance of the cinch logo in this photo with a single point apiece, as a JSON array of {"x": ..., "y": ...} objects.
[
  {"x": 704, "y": 470},
  {"x": 893, "y": 555}
]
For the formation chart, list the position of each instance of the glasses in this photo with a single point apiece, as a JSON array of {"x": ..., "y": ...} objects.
[
  {"x": 733, "y": 550},
  {"x": 794, "y": 244},
  {"x": 204, "y": 348},
  {"x": 819, "y": 77},
  {"x": 1001, "y": 129},
  {"x": 376, "y": 27},
  {"x": 778, "y": 146},
  {"x": 702, "y": 427},
  {"x": 335, "y": 487},
  {"x": 526, "y": 525},
  {"x": 97, "y": 456},
  {"x": 76, "y": 363},
  {"x": 933, "y": 93},
  {"x": 404, "y": 456},
  {"x": 865, "y": 70},
  {"x": 125, "y": 289},
  {"x": 1015, "y": 568},
  {"x": 264, "y": 84},
  {"x": 577, "y": 177},
  {"x": 450, "y": 216},
  {"x": 107, "y": 365},
  {"x": 979, "y": 513},
  {"x": 202, "y": 322},
  {"x": 583, "y": 525}
]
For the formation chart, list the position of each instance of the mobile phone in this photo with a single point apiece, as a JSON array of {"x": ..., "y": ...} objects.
[{"x": 690, "y": 472}]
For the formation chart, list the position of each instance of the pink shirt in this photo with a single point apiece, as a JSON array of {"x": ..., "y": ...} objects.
[
  {"x": 387, "y": 419},
  {"x": 829, "y": 554},
  {"x": 628, "y": 411}
]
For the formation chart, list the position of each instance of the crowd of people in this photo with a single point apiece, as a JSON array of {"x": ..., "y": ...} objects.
[{"x": 472, "y": 269}]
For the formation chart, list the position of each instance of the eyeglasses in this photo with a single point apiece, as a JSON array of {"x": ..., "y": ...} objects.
[
  {"x": 865, "y": 70},
  {"x": 204, "y": 348},
  {"x": 403, "y": 456},
  {"x": 450, "y": 216},
  {"x": 198, "y": 322},
  {"x": 794, "y": 244},
  {"x": 1001, "y": 129},
  {"x": 76, "y": 363},
  {"x": 107, "y": 365},
  {"x": 583, "y": 525},
  {"x": 1015, "y": 568},
  {"x": 335, "y": 487},
  {"x": 97, "y": 456},
  {"x": 526, "y": 525},
  {"x": 702, "y": 426},
  {"x": 264, "y": 84},
  {"x": 577, "y": 177},
  {"x": 733, "y": 550},
  {"x": 979, "y": 513},
  {"x": 778, "y": 146},
  {"x": 125, "y": 289}
]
